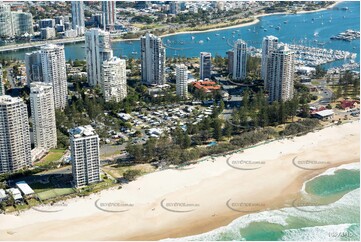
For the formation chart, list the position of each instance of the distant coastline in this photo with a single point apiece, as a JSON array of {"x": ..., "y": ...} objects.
[{"x": 255, "y": 21}]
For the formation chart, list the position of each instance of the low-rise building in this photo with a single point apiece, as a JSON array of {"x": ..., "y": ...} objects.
[
  {"x": 324, "y": 114},
  {"x": 15, "y": 193},
  {"x": 206, "y": 85},
  {"x": 25, "y": 189}
]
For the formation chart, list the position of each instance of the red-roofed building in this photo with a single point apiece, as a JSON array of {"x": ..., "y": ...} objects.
[
  {"x": 206, "y": 86},
  {"x": 349, "y": 104}
]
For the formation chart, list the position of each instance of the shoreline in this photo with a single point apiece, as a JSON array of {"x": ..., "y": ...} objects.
[
  {"x": 209, "y": 184},
  {"x": 255, "y": 21}
]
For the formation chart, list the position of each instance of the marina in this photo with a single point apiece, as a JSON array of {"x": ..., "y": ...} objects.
[{"x": 313, "y": 37}]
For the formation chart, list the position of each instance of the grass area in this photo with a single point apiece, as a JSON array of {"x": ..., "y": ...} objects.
[
  {"x": 117, "y": 171},
  {"x": 149, "y": 26},
  {"x": 108, "y": 154},
  {"x": 218, "y": 25},
  {"x": 52, "y": 156},
  {"x": 56, "y": 192},
  {"x": 96, "y": 187}
]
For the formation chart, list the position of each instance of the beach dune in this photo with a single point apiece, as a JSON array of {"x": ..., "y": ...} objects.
[{"x": 202, "y": 197}]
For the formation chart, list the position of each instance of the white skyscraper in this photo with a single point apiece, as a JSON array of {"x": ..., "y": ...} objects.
[
  {"x": 43, "y": 115},
  {"x": 108, "y": 14},
  {"x": 5, "y": 21},
  {"x": 33, "y": 66},
  {"x": 54, "y": 72},
  {"x": 22, "y": 23},
  {"x": 77, "y": 15},
  {"x": 268, "y": 45},
  {"x": 280, "y": 74},
  {"x": 239, "y": 60},
  {"x": 152, "y": 60},
  {"x": 15, "y": 147},
  {"x": 98, "y": 49},
  {"x": 14, "y": 23},
  {"x": 205, "y": 66},
  {"x": 182, "y": 80},
  {"x": 84, "y": 146},
  {"x": 114, "y": 79}
]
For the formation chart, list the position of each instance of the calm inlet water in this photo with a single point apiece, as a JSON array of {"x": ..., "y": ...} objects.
[{"x": 311, "y": 29}]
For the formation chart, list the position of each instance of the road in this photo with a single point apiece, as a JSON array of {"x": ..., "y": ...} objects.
[
  {"x": 40, "y": 43},
  {"x": 326, "y": 94}
]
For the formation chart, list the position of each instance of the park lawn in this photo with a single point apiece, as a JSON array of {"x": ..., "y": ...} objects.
[
  {"x": 53, "y": 155},
  {"x": 216, "y": 25},
  {"x": 148, "y": 26}
]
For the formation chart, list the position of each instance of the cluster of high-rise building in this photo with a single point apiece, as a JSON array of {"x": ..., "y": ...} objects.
[
  {"x": 48, "y": 65},
  {"x": 47, "y": 79},
  {"x": 103, "y": 69},
  {"x": 277, "y": 67},
  {"x": 14, "y": 23}
]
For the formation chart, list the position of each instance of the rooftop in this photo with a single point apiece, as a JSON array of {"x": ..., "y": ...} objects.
[
  {"x": 325, "y": 113},
  {"x": 6, "y": 100},
  {"x": 82, "y": 131},
  {"x": 24, "y": 187}
]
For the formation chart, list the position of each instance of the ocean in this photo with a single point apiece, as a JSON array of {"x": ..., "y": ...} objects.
[
  {"x": 310, "y": 29},
  {"x": 328, "y": 210}
]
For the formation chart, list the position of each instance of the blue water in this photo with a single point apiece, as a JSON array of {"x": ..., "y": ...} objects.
[
  {"x": 300, "y": 29},
  {"x": 333, "y": 214}
]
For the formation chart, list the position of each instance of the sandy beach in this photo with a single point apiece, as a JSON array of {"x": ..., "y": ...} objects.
[
  {"x": 215, "y": 193},
  {"x": 256, "y": 20}
]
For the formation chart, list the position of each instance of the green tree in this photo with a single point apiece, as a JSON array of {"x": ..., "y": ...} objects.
[
  {"x": 131, "y": 174},
  {"x": 217, "y": 129}
]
